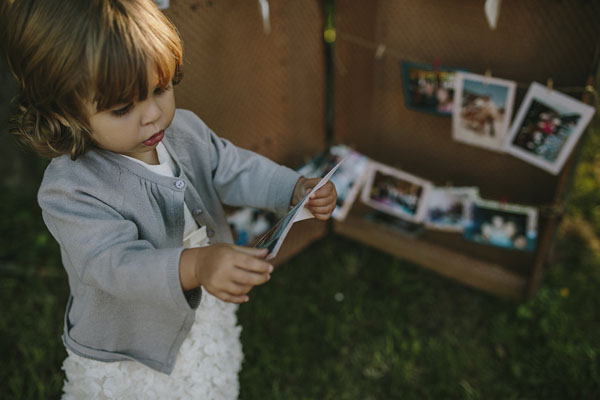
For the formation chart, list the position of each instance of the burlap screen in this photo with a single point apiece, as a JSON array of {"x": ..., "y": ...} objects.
[
  {"x": 534, "y": 41},
  {"x": 263, "y": 91}
]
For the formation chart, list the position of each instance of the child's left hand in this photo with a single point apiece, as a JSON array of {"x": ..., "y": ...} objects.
[{"x": 322, "y": 202}]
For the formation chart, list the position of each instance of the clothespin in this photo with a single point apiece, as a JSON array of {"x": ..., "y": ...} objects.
[
  {"x": 503, "y": 201},
  {"x": 380, "y": 51},
  {"x": 487, "y": 75},
  {"x": 550, "y": 85},
  {"x": 263, "y": 6}
]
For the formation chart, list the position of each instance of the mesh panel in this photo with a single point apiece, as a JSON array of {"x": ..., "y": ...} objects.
[
  {"x": 262, "y": 91},
  {"x": 534, "y": 41}
]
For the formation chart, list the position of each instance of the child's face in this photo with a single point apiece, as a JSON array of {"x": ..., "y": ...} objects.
[{"x": 135, "y": 129}]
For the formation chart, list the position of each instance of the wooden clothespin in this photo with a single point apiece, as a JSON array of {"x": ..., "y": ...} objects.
[
  {"x": 487, "y": 75},
  {"x": 380, "y": 51},
  {"x": 550, "y": 85},
  {"x": 503, "y": 201},
  {"x": 263, "y": 6}
]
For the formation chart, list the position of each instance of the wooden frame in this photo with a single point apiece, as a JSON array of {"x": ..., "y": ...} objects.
[{"x": 379, "y": 125}]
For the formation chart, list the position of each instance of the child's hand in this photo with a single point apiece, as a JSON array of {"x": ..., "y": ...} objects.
[
  {"x": 322, "y": 202},
  {"x": 226, "y": 271}
]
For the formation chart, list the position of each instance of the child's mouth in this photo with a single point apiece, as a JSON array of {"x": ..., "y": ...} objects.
[{"x": 154, "y": 139}]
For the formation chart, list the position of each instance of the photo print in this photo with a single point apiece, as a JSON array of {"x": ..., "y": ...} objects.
[
  {"x": 504, "y": 225},
  {"x": 348, "y": 179},
  {"x": 273, "y": 239},
  {"x": 395, "y": 192},
  {"x": 547, "y": 127},
  {"x": 448, "y": 208},
  {"x": 427, "y": 88},
  {"x": 482, "y": 110}
]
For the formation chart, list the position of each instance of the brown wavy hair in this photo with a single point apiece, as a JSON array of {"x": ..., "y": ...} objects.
[{"x": 69, "y": 53}]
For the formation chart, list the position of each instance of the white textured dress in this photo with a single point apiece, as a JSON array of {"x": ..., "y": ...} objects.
[{"x": 208, "y": 361}]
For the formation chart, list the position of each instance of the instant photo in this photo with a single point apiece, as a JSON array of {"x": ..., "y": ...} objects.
[
  {"x": 273, "y": 239},
  {"x": 482, "y": 110},
  {"x": 348, "y": 178},
  {"x": 428, "y": 89},
  {"x": 504, "y": 225},
  {"x": 448, "y": 208},
  {"x": 547, "y": 127},
  {"x": 395, "y": 192}
]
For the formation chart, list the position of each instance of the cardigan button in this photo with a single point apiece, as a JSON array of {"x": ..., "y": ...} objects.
[
  {"x": 179, "y": 184},
  {"x": 196, "y": 211},
  {"x": 210, "y": 232}
]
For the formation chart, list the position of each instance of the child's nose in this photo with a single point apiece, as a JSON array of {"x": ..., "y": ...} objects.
[{"x": 152, "y": 112}]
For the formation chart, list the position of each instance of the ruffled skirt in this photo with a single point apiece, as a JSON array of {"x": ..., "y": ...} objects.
[{"x": 207, "y": 365}]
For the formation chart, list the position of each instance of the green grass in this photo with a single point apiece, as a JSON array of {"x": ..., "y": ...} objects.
[
  {"x": 343, "y": 321},
  {"x": 403, "y": 332}
]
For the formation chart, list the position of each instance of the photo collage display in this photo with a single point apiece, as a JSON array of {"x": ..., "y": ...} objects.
[{"x": 544, "y": 132}]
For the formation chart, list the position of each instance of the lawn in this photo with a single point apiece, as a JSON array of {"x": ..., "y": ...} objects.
[{"x": 343, "y": 321}]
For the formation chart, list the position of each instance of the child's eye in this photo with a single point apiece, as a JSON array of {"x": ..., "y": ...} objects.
[
  {"x": 122, "y": 111},
  {"x": 160, "y": 90}
]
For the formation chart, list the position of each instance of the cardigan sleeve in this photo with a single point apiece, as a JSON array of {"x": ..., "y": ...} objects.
[
  {"x": 239, "y": 177},
  {"x": 102, "y": 249},
  {"x": 244, "y": 178}
]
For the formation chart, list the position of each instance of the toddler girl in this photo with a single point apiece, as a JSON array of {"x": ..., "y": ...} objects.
[{"x": 134, "y": 195}]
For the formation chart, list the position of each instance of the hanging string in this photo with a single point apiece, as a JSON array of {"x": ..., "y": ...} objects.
[{"x": 400, "y": 56}]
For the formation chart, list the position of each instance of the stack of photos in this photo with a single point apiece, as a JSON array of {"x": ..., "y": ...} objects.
[
  {"x": 428, "y": 89},
  {"x": 395, "y": 192},
  {"x": 274, "y": 238},
  {"x": 547, "y": 127},
  {"x": 448, "y": 208},
  {"x": 482, "y": 110},
  {"x": 348, "y": 178},
  {"x": 504, "y": 225}
]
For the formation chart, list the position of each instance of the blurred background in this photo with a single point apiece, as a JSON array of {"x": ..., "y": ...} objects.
[{"x": 356, "y": 310}]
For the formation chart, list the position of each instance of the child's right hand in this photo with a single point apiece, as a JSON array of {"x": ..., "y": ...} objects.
[{"x": 226, "y": 271}]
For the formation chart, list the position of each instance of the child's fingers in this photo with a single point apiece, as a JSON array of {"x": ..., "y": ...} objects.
[
  {"x": 328, "y": 209},
  {"x": 236, "y": 289},
  {"x": 245, "y": 278},
  {"x": 322, "y": 216},
  {"x": 252, "y": 264},
  {"x": 326, "y": 191},
  {"x": 232, "y": 298},
  {"x": 321, "y": 201},
  {"x": 251, "y": 251}
]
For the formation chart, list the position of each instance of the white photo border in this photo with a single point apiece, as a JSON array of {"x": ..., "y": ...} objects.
[
  {"x": 472, "y": 196},
  {"x": 531, "y": 228},
  {"x": 457, "y": 106},
  {"x": 426, "y": 186},
  {"x": 546, "y": 96}
]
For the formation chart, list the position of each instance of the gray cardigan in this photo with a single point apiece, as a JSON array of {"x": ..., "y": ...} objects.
[{"x": 120, "y": 229}]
